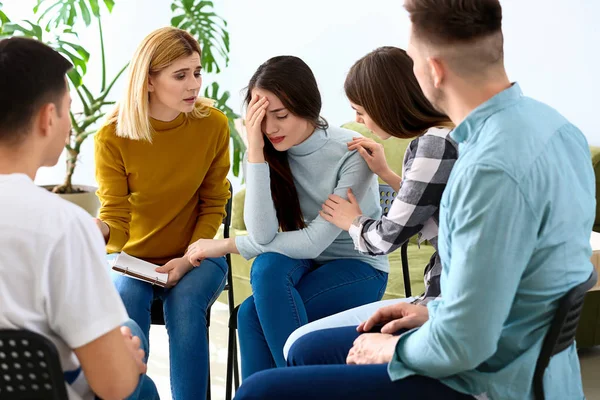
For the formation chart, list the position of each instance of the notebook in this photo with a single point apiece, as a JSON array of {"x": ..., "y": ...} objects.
[{"x": 139, "y": 269}]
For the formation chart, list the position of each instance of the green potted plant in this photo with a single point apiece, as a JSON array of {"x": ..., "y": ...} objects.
[{"x": 54, "y": 26}]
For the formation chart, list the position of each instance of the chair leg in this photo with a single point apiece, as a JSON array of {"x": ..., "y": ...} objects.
[
  {"x": 405, "y": 271},
  {"x": 232, "y": 359}
]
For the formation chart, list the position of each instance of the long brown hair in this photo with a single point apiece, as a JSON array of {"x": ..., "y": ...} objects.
[
  {"x": 292, "y": 81},
  {"x": 383, "y": 83}
]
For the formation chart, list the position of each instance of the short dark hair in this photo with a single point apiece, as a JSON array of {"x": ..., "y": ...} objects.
[
  {"x": 32, "y": 74},
  {"x": 383, "y": 83},
  {"x": 454, "y": 21},
  {"x": 293, "y": 82}
]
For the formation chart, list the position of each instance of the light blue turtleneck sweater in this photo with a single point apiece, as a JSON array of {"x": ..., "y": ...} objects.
[{"x": 321, "y": 165}]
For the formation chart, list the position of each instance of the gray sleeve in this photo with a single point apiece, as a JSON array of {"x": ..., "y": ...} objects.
[
  {"x": 259, "y": 216},
  {"x": 310, "y": 242}
]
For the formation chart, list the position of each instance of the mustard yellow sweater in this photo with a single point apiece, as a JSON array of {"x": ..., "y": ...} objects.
[{"x": 159, "y": 197}]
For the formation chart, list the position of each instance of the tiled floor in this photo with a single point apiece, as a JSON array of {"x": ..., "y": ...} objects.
[{"x": 158, "y": 365}]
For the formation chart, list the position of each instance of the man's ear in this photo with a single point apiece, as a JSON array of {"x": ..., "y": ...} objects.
[
  {"x": 46, "y": 118},
  {"x": 437, "y": 71}
]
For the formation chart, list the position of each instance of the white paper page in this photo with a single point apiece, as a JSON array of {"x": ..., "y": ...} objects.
[{"x": 125, "y": 261}]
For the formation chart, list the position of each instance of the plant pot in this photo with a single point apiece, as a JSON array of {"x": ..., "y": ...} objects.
[{"x": 86, "y": 199}]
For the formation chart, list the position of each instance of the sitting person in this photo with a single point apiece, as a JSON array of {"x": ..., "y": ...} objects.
[
  {"x": 162, "y": 160},
  {"x": 53, "y": 267},
  {"x": 515, "y": 223},
  {"x": 427, "y": 164},
  {"x": 305, "y": 267}
]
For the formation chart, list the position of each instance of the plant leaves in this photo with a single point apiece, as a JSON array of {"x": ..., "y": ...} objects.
[
  {"x": 3, "y": 18},
  {"x": 197, "y": 17},
  {"x": 85, "y": 12},
  {"x": 65, "y": 12}
]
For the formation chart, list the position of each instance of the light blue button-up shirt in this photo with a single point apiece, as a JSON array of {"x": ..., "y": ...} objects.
[{"x": 515, "y": 223}]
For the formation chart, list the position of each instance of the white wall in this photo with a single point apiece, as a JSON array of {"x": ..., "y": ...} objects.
[{"x": 551, "y": 48}]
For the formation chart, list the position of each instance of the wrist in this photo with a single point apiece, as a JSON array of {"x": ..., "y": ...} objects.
[
  {"x": 231, "y": 246},
  {"x": 256, "y": 154},
  {"x": 390, "y": 177}
]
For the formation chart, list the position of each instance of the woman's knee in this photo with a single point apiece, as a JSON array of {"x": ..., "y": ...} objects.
[
  {"x": 272, "y": 267},
  {"x": 247, "y": 313}
]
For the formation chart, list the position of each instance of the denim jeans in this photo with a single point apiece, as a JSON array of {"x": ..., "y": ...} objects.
[
  {"x": 145, "y": 390},
  {"x": 185, "y": 307},
  {"x": 318, "y": 370},
  {"x": 348, "y": 382},
  {"x": 352, "y": 317},
  {"x": 288, "y": 293}
]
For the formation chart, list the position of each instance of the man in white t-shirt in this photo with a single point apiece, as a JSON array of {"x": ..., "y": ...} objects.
[{"x": 53, "y": 274}]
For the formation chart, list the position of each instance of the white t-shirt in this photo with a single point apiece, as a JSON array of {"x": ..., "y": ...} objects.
[{"x": 54, "y": 279}]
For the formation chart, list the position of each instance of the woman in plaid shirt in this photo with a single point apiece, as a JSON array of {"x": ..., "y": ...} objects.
[{"x": 382, "y": 75}]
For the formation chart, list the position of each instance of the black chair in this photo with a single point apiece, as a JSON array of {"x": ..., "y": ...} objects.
[
  {"x": 386, "y": 197},
  {"x": 562, "y": 330},
  {"x": 157, "y": 313},
  {"x": 29, "y": 367}
]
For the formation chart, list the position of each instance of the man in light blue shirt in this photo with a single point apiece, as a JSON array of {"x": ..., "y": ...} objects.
[{"x": 515, "y": 222}]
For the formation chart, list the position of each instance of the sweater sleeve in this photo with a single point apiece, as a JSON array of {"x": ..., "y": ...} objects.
[
  {"x": 262, "y": 223},
  {"x": 113, "y": 192},
  {"x": 310, "y": 242},
  {"x": 214, "y": 191}
]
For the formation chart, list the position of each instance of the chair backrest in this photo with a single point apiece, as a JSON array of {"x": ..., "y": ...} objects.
[
  {"x": 29, "y": 367},
  {"x": 562, "y": 330},
  {"x": 386, "y": 197}
]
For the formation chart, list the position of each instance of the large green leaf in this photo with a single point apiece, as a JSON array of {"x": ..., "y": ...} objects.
[
  {"x": 59, "y": 40},
  {"x": 212, "y": 92},
  {"x": 3, "y": 18},
  {"x": 67, "y": 12},
  {"x": 197, "y": 17}
]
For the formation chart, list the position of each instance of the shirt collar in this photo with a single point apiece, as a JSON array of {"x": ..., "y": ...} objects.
[
  {"x": 314, "y": 142},
  {"x": 471, "y": 125}
]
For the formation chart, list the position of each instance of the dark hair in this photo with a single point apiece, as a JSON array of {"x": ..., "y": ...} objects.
[
  {"x": 292, "y": 81},
  {"x": 33, "y": 74},
  {"x": 454, "y": 21},
  {"x": 383, "y": 83}
]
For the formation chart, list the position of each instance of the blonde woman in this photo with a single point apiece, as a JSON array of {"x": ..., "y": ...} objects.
[{"x": 161, "y": 164}]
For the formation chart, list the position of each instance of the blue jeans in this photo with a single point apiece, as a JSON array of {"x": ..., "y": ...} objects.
[
  {"x": 289, "y": 293},
  {"x": 185, "y": 307},
  {"x": 349, "y": 382},
  {"x": 325, "y": 347},
  {"x": 145, "y": 390}
]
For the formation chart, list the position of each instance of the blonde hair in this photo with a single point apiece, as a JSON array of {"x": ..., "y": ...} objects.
[{"x": 157, "y": 51}]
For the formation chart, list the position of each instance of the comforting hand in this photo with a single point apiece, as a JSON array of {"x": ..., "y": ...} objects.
[
  {"x": 257, "y": 110},
  {"x": 133, "y": 345},
  {"x": 104, "y": 229},
  {"x": 176, "y": 268},
  {"x": 395, "y": 317},
  {"x": 208, "y": 248},
  {"x": 341, "y": 212},
  {"x": 373, "y": 348},
  {"x": 372, "y": 152}
]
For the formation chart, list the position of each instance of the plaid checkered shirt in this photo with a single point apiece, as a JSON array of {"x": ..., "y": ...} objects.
[{"x": 427, "y": 164}]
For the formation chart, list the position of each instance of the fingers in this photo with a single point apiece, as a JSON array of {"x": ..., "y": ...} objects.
[
  {"x": 397, "y": 324},
  {"x": 257, "y": 118},
  {"x": 255, "y": 110},
  {"x": 326, "y": 216},
  {"x": 382, "y": 315},
  {"x": 195, "y": 257},
  {"x": 164, "y": 269},
  {"x": 327, "y": 208},
  {"x": 126, "y": 332},
  {"x": 351, "y": 197},
  {"x": 361, "y": 327}
]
